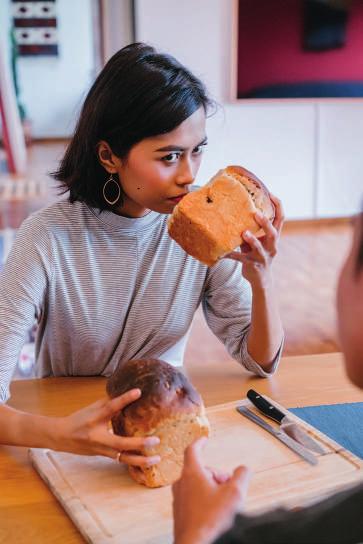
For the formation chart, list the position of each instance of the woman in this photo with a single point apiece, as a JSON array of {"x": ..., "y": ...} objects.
[
  {"x": 99, "y": 271},
  {"x": 205, "y": 503}
]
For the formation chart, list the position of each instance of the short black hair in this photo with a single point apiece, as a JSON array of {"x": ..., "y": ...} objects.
[{"x": 139, "y": 93}]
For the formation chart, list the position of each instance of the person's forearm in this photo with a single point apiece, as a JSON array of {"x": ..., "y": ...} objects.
[
  {"x": 266, "y": 332},
  {"x": 24, "y": 429}
]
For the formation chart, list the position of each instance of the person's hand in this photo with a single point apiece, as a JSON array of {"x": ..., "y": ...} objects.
[
  {"x": 257, "y": 253},
  {"x": 205, "y": 501},
  {"x": 87, "y": 432}
]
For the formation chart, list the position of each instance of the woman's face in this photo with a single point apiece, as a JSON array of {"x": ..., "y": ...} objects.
[
  {"x": 350, "y": 308},
  {"x": 159, "y": 170}
]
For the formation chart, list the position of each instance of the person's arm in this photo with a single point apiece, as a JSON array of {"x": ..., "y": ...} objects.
[
  {"x": 227, "y": 306},
  {"x": 241, "y": 308},
  {"x": 24, "y": 429},
  {"x": 85, "y": 432},
  {"x": 205, "y": 502},
  {"x": 266, "y": 334},
  {"x": 205, "y": 505},
  {"x": 23, "y": 283}
]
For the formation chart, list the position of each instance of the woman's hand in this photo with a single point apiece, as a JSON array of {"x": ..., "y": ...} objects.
[
  {"x": 87, "y": 432},
  {"x": 257, "y": 253},
  {"x": 205, "y": 501}
]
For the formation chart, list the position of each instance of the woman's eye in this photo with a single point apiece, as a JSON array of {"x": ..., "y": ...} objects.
[
  {"x": 172, "y": 157},
  {"x": 199, "y": 149}
]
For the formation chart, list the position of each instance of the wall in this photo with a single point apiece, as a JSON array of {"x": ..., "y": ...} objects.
[
  {"x": 306, "y": 151},
  {"x": 52, "y": 88},
  {"x": 117, "y": 25},
  {"x": 5, "y": 26}
]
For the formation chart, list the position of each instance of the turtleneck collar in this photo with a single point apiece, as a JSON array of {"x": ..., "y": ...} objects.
[{"x": 125, "y": 223}]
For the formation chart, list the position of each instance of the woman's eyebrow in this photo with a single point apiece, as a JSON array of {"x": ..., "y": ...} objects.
[{"x": 178, "y": 147}]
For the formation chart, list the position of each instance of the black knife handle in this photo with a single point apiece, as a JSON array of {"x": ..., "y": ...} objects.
[{"x": 264, "y": 406}]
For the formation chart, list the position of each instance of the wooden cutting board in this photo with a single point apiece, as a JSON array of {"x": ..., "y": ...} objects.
[{"x": 108, "y": 507}]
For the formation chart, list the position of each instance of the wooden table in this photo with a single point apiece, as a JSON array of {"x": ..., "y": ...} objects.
[{"x": 29, "y": 513}]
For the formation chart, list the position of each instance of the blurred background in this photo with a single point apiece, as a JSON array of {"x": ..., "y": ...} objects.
[{"x": 288, "y": 75}]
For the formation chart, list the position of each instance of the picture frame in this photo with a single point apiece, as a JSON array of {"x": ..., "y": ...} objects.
[{"x": 288, "y": 49}]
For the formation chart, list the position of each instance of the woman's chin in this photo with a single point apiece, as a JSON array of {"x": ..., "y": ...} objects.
[{"x": 165, "y": 208}]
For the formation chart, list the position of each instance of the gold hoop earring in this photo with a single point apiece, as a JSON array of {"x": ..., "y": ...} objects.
[{"x": 111, "y": 180}]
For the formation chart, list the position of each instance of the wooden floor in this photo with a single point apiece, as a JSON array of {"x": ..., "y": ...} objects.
[
  {"x": 305, "y": 271},
  {"x": 23, "y": 195},
  {"x": 306, "y": 268}
]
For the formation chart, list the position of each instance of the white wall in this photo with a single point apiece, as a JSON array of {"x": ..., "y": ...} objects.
[
  {"x": 340, "y": 165},
  {"x": 306, "y": 151},
  {"x": 53, "y": 88},
  {"x": 195, "y": 31},
  {"x": 263, "y": 138},
  {"x": 5, "y": 26},
  {"x": 117, "y": 25}
]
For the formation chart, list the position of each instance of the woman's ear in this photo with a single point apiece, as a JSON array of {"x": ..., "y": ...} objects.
[{"x": 106, "y": 157}]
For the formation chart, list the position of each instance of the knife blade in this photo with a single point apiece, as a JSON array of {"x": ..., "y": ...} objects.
[
  {"x": 289, "y": 442},
  {"x": 286, "y": 424}
]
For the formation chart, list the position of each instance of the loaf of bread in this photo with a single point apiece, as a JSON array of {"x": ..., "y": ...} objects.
[
  {"x": 169, "y": 408},
  {"x": 208, "y": 223}
]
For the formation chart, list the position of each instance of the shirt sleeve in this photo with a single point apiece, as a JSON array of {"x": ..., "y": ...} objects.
[
  {"x": 335, "y": 520},
  {"x": 23, "y": 283},
  {"x": 227, "y": 302}
]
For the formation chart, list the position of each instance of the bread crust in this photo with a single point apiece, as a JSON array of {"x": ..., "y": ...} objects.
[
  {"x": 209, "y": 223},
  {"x": 170, "y": 407}
]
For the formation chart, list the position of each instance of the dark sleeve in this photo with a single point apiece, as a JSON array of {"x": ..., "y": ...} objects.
[{"x": 337, "y": 520}]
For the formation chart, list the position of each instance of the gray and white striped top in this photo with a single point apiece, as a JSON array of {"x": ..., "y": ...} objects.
[{"x": 106, "y": 288}]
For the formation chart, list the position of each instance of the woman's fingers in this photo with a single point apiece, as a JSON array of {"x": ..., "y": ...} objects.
[
  {"x": 111, "y": 407},
  {"x": 131, "y": 443},
  {"x": 267, "y": 226},
  {"x": 279, "y": 213},
  {"x": 258, "y": 251},
  {"x": 271, "y": 234},
  {"x": 118, "y": 443},
  {"x": 87, "y": 431},
  {"x": 235, "y": 256},
  {"x": 137, "y": 460},
  {"x": 243, "y": 257},
  {"x": 124, "y": 456}
]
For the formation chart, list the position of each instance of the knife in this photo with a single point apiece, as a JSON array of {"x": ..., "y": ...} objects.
[
  {"x": 280, "y": 435},
  {"x": 287, "y": 425}
]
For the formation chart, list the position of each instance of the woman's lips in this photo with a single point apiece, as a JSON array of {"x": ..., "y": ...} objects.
[{"x": 177, "y": 199}]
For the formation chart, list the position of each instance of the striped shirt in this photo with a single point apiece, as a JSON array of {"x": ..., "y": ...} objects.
[{"x": 105, "y": 288}]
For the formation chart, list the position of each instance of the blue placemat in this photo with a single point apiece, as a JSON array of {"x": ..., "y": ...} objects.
[{"x": 341, "y": 422}]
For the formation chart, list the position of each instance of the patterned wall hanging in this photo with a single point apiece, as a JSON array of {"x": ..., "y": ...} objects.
[{"x": 35, "y": 27}]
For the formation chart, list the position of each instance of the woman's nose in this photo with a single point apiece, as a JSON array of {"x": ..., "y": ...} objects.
[{"x": 185, "y": 173}]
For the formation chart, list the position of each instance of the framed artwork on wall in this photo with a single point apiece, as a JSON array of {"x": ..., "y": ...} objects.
[
  {"x": 298, "y": 49},
  {"x": 35, "y": 27}
]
